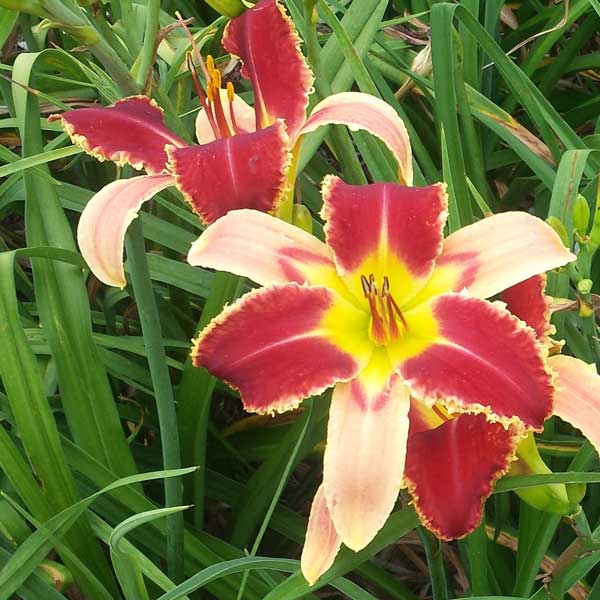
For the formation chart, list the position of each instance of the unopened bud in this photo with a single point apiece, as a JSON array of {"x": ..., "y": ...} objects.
[
  {"x": 585, "y": 286},
  {"x": 581, "y": 215},
  {"x": 552, "y": 497},
  {"x": 33, "y": 7},
  {"x": 559, "y": 227},
  {"x": 302, "y": 218},
  {"x": 228, "y": 8}
]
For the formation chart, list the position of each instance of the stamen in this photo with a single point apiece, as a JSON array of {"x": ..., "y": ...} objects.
[
  {"x": 212, "y": 76},
  {"x": 385, "y": 312},
  {"x": 365, "y": 285},
  {"x": 397, "y": 311},
  {"x": 439, "y": 413},
  {"x": 215, "y": 87},
  {"x": 230, "y": 97},
  {"x": 203, "y": 100},
  {"x": 210, "y": 66}
]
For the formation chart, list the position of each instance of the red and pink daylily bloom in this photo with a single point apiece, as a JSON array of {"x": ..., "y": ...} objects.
[
  {"x": 381, "y": 313},
  {"x": 453, "y": 461},
  {"x": 577, "y": 396},
  {"x": 244, "y": 155}
]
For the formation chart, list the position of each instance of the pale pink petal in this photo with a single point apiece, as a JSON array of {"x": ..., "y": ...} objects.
[
  {"x": 104, "y": 221},
  {"x": 363, "y": 111},
  {"x": 499, "y": 252},
  {"x": 263, "y": 248},
  {"x": 577, "y": 397},
  {"x": 322, "y": 542},
  {"x": 365, "y": 453},
  {"x": 245, "y": 118}
]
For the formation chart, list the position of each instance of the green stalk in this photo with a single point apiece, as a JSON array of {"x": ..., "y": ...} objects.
[
  {"x": 149, "y": 46},
  {"x": 281, "y": 485},
  {"x": 478, "y": 561},
  {"x": 340, "y": 138},
  {"x": 435, "y": 562},
  {"x": 163, "y": 392},
  {"x": 194, "y": 396},
  {"x": 78, "y": 26},
  {"x": 529, "y": 566}
]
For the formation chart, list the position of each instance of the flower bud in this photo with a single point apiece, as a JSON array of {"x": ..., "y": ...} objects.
[
  {"x": 559, "y": 227},
  {"x": 552, "y": 497},
  {"x": 33, "y": 7},
  {"x": 228, "y": 8},
  {"x": 585, "y": 286},
  {"x": 581, "y": 215},
  {"x": 302, "y": 218}
]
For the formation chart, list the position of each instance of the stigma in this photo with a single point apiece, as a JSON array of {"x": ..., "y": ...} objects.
[{"x": 387, "y": 321}]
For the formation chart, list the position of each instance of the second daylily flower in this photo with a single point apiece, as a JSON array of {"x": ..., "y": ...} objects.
[
  {"x": 453, "y": 461},
  {"x": 379, "y": 312},
  {"x": 244, "y": 154}
]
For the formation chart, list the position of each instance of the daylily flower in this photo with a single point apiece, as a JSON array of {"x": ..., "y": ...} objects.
[
  {"x": 577, "y": 384},
  {"x": 380, "y": 313},
  {"x": 245, "y": 156},
  {"x": 453, "y": 461}
]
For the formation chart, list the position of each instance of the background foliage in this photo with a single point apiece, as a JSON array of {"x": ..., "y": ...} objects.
[{"x": 86, "y": 402}]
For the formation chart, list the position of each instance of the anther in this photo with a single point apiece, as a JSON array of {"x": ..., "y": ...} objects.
[
  {"x": 230, "y": 92},
  {"x": 385, "y": 313},
  {"x": 210, "y": 65},
  {"x": 385, "y": 289},
  {"x": 365, "y": 285}
]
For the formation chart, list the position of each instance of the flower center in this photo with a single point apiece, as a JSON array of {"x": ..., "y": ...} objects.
[
  {"x": 211, "y": 100},
  {"x": 387, "y": 319}
]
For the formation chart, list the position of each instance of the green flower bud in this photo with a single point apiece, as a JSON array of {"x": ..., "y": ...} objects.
[
  {"x": 33, "y": 7},
  {"x": 302, "y": 218},
  {"x": 228, "y": 8},
  {"x": 585, "y": 286},
  {"x": 559, "y": 227},
  {"x": 581, "y": 215},
  {"x": 552, "y": 497}
]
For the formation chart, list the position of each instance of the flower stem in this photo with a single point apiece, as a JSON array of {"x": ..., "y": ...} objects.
[
  {"x": 435, "y": 562},
  {"x": 340, "y": 138},
  {"x": 81, "y": 28},
  {"x": 478, "y": 561},
  {"x": 163, "y": 392},
  {"x": 194, "y": 397},
  {"x": 149, "y": 46}
]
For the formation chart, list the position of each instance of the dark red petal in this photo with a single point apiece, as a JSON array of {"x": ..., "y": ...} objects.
[
  {"x": 528, "y": 301},
  {"x": 484, "y": 360},
  {"x": 451, "y": 470},
  {"x": 244, "y": 171},
  {"x": 272, "y": 345},
  {"x": 266, "y": 40},
  {"x": 385, "y": 229},
  {"x": 129, "y": 132}
]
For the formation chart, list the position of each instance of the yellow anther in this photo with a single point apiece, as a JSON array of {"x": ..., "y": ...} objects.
[
  {"x": 216, "y": 78},
  {"x": 230, "y": 91},
  {"x": 209, "y": 93},
  {"x": 210, "y": 65}
]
